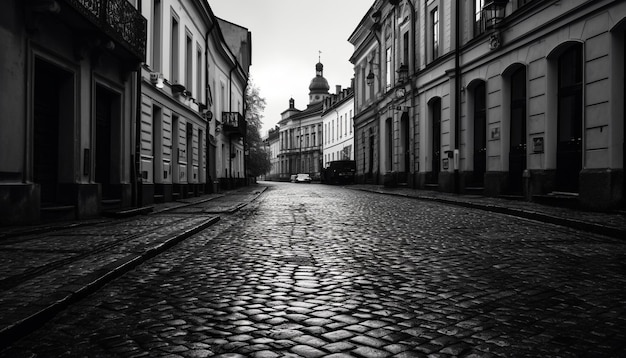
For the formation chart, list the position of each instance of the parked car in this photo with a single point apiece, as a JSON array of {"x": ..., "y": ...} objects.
[
  {"x": 303, "y": 178},
  {"x": 293, "y": 178}
]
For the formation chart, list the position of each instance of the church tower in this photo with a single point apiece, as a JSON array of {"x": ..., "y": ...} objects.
[{"x": 318, "y": 90}]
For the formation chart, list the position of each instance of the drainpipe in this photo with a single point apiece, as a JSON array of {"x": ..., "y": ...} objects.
[
  {"x": 209, "y": 179},
  {"x": 137, "y": 195},
  {"x": 457, "y": 92},
  {"x": 230, "y": 110}
]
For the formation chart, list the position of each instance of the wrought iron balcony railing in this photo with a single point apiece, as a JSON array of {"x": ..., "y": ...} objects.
[
  {"x": 119, "y": 19},
  {"x": 234, "y": 124}
]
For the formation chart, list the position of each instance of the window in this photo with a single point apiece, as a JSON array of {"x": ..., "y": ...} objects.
[
  {"x": 388, "y": 69},
  {"x": 156, "y": 36},
  {"x": 479, "y": 27},
  {"x": 340, "y": 123},
  {"x": 174, "y": 56},
  {"x": 188, "y": 62},
  {"x": 351, "y": 121},
  {"x": 405, "y": 49},
  {"x": 434, "y": 15},
  {"x": 200, "y": 71}
]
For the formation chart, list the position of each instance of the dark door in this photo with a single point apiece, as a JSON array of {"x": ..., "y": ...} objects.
[
  {"x": 406, "y": 145},
  {"x": 104, "y": 112},
  {"x": 436, "y": 140},
  {"x": 569, "y": 125},
  {"x": 480, "y": 136},
  {"x": 46, "y": 130},
  {"x": 517, "y": 151}
]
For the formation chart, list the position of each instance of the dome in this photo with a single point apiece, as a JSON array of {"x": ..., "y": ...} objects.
[{"x": 319, "y": 85}]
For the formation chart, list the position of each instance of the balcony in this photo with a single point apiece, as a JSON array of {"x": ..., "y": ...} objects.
[
  {"x": 119, "y": 20},
  {"x": 233, "y": 124}
]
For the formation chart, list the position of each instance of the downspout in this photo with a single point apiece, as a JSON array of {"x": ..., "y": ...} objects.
[
  {"x": 137, "y": 180},
  {"x": 457, "y": 93},
  {"x": 208, "y": 177},
  {"x": 230, "y": 110}
]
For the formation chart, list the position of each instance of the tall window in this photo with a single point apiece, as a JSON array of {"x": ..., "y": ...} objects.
[
  {"x": 199, "y": 72},
  {"x": 188, "y": 62},
  {"x": 174, "y": 55},
  {"x": 405, "y": 49},
  {"x": 435, "y": 32},
  {"x": 479, "y": 27},
  {"x": 156, "y": 36},
  {"x": 351, "y": 121},
  {"x": 388, "y": 69}
]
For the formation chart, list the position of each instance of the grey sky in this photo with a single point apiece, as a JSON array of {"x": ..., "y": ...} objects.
[{"x": 286, "y": 38}]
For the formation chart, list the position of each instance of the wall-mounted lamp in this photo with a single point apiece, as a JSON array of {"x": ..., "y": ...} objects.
[
  {"x": 403, "y": 73},
  {"x": 494, "y": 12},
  {"x": 156, "y": 79},
  {"x": 370, "y": 78}
]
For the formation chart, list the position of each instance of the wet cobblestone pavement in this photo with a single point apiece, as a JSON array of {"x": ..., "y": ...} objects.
[{"x": 320, "y": 271}]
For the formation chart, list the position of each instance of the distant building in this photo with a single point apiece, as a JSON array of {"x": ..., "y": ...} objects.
[
  {"x": 272, "y": 145},
  {"x": 300, "y": 138},
  {"x": 337, "y": 118}
]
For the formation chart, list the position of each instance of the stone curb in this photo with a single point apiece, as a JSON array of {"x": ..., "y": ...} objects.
[{"x": 526, "y": 214}]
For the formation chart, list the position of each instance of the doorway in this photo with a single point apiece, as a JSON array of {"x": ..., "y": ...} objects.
[
  {"x": 52, "y": 101},
  {"x": 435, "y": 147},
  {"x": 480, "y": 135},
  {"x": 406, "y": 140},
  {"x": 569, "y": 119},
  {"x": 107, "y": 116},
  {"x": 517, "y": 149}
]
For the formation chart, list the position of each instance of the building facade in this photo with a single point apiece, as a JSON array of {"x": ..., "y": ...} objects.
[
  {"x": 337, "y": 121},
  {"x": 520, "y": 97},
  {"x": 272, "y": 145},
  {"x": 192, "y": 111},
  {"x": 300, "y": 137},
  {"x": 67, "y": 132}
]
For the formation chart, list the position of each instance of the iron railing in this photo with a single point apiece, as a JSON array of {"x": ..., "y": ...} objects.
[{"x": 119, "y": 19}]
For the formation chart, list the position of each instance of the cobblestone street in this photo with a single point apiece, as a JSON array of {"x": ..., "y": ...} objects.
[{"x": 324, "y": 271}]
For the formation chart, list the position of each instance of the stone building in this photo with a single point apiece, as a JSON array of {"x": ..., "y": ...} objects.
[
  {"x": 522, "y": 98},
  {"x": 69, "y": 105},
  {"x": 300, "y": 137},
  {"x": 194, "y": 80}
]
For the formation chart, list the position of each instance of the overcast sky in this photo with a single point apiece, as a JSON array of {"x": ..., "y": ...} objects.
[{"x": 286, "y": 38}]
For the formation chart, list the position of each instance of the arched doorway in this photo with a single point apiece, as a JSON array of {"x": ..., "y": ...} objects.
[
  {"x": 569, "y": 119},
  {"x": 517, "y": 134},
  {"x": 435, "y": 146},
  {"x": 480, "y": 134}
]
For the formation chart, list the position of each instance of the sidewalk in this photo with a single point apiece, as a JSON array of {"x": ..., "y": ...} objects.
[
  {"x": 611, "y": 223},
  {"x": 44, "y": 268}
]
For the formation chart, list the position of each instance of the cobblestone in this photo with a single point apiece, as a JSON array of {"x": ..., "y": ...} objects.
[{"x": 320, "y": 271}]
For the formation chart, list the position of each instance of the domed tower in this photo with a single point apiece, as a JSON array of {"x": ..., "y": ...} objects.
[{"x": 318, "y": 90}]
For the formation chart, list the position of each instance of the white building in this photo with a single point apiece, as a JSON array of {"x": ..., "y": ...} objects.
[
  {"x": 337, "y": 119},
  {"x": 192, "y": 100}
]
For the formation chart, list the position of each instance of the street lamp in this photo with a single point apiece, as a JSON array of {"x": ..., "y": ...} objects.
[{"x": 494, "y": 12}]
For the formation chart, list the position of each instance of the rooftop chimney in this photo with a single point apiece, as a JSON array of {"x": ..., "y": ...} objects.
[{"x": 338, "y": 89}]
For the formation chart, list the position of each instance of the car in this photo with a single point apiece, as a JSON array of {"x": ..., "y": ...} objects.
[{"x": 303, "y": 178}]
